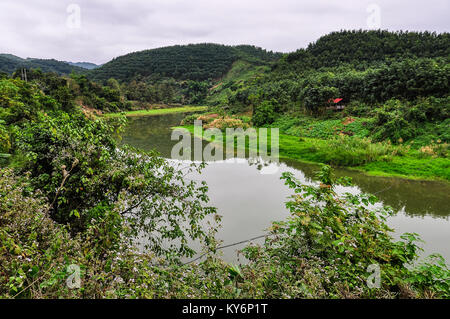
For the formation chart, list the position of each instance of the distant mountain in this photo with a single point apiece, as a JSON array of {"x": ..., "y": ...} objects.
[
  {"x": 10, "y": 63},
  {"x": 85, "y": 65},
  {"x": 10, "y": 56},
  {"x": 182, "y": 62}
]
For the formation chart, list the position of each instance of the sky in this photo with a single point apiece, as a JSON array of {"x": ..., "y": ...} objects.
[{"x": 99, "y": 30}]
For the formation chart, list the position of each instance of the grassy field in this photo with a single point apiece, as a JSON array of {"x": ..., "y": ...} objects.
[
  {"x": 184, "y": 109},
  {"x": 374, "y": 161}
]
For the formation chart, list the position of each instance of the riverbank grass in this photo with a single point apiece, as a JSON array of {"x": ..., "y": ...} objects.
[
  {"x": 184, "y": 109},
  {"x": 378, "y": 159}
]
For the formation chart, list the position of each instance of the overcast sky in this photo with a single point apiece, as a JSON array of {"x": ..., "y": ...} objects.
[{"x": 110, "y": 28}]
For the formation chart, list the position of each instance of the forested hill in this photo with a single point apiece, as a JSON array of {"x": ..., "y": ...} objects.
[
  {"x": 363, "y": 48},
  {"x": 85, "y": 65},
  {"x": 10, "y": 63},
  {"x": 196, "y": 62}
]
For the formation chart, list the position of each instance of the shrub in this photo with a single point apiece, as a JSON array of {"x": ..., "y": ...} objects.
[
  {"x": 189, "y": 119},
  {"x": 437, "y": 149},
  {"x": 326, "y": 246},
  {"x": 265, "y": 113},
  {"x": 432, "y": 276},
  {"x": 5, "y": 143},
  {"x": 353, "y": 151},
  {"x": 224, "y": 123},
  {"x": 397, "y": 120},
  {"x": 77, "y": 164}
]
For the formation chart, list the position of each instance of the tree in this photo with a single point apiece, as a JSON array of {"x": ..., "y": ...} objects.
[
  {"x": 264, "y": 113},
  {"x": 316, "y": 98}
]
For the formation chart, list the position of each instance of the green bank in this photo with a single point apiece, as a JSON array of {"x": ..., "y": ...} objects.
[
  {"x": 184, "y": 109},
  {"x": 380, "y": 159}
]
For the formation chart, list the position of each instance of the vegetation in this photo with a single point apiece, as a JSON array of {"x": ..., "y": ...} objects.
[
  {"x": 70, "y": 195},
  {"x": 182, "y": 74},
  {"x": 185, "y": 109},
  {"x": 84, "y": 65},
  {"x": 375, "y": 158},
  {"x": 10, "y": 63},
  {"x": 321, "y": 251},
  {"x": 328, "y": 244},
  {"x": 359, "y": 47},
  {"x": 393, "y": 87},
  {"x": 197, "y": 62},
  {"x": 83, "y": 200}
]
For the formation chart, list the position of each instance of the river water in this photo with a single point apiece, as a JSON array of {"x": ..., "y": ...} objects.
[{"x": 249, "y": 201}]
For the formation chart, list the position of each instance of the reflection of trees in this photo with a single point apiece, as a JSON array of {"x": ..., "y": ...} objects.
[
  {"x": 419, "y": 198},
  {"x": 152, "y": 132}
]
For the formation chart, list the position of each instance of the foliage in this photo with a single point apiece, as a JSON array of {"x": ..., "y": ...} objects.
[
  {"x": 10, "y": 63},
  {"x": 365, "y": 68},
  {"x": 5, "y": 139},
  {"x": 396, "y": 120},
  {"x": 76, "y": 163},
  {"x": 20, "y": 101},
  {"x": 322, "y": 251},
  {"x": 265, "y": 113},
  {"x": 190, "y": 119},
  {"x": 362, "y": 47},
  {"x": 437, "y": 149},
  {"x": 197, "y": 62},
  {"x": 226, "y": 122},
  {"x": 35, "y": 253},
  {"x": 432, "y": 276},
  {"x": 317, "y": 97},
  {"x": 327, "y": 245},
  {"x": 354, "y": 151},
  {"x": 80, "y": 199},
  {"x": 196, "y": 92}
]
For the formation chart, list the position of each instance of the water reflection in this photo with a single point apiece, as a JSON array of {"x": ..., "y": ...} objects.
[
  {"x": 416, "y": 198},
  {"x": 250, "y": 201}
]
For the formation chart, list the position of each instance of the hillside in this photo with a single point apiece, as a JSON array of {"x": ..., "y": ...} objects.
[
  {"x": 198, "y": 62},
  {"x": 363, "y": 48},
  {"x": 358, "y": 66},
  {"x": 10, "y": 63},
  {"x": 85, "y": 65}
]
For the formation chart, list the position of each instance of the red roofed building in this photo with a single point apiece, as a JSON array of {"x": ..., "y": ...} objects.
[{"x": 335, "y": 104}]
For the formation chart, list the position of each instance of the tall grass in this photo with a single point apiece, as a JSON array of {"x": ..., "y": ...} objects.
[{"x": 354, "y": 151}]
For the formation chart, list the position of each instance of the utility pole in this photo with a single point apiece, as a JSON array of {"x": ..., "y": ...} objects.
[{"x": 24, "y": 74}]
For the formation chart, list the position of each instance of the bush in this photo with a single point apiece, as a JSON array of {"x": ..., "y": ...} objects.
[
  {"x": 224, "y": 123},
  {"x": 325, "y": 248},
  {"x": 5, "y": 140},
  {"x": 397, "y": 120},
  {"x": 432, "y": 276},
  {"x": 437, "y": 149},
  {"x": 353, "y": 151},
  {"x": 190, "y": 119},
  {"x": 264, "y": 114},
  {"x": 78, "y": 166},
  {"x": 34, "y": 250}
]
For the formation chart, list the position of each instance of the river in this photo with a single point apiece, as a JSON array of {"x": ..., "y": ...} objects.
[{"x": 249, "y": 201}]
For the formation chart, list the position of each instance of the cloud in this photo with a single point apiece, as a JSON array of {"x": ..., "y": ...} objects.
[{"x": 110, "y": 28}]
